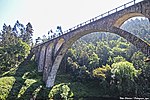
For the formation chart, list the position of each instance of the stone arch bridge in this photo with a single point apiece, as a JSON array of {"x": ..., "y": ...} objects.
[{"x": 49, "y": 54}]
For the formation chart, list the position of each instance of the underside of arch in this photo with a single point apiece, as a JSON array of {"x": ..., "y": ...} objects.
[
  {"x": 125, "y": 17},
  {"x": 137, "y": 42}
]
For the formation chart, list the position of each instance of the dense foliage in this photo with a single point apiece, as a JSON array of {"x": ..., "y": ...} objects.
[
  {"x": 14, "y": 45},
  {"x": 60, "y": 91},
  {"x": 111, "y": 61}
]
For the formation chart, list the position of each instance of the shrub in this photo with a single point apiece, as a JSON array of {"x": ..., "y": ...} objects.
[{"x": 60, "y": 91}]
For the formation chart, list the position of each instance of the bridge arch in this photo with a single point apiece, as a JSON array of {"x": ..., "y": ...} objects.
[
  {"x": 125, "y": 17},
  {"x": 63, "y": 49}
]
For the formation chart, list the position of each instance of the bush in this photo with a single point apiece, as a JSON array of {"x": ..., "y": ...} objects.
[{"x": 60, "y": 91}]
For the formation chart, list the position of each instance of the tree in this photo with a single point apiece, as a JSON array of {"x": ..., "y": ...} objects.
[
  {"x": 139, "y": 27},
  {"x": 44, "y": 38},
  {"x": 102, "y": 72},
  {"x": 144, "y": 78},
  {"x": 29, "y": 34},
  {"x": 124, "y": 74},
  {"x": 118, "y": 59},
  {"x": 13, "y": 48},
  {"x": 94, "y": 61},
  {"x": 7, "y": 36},
  {"x": 12, "y": 55},
  {"x": 24, "y": 33},
  {"x": 38, "y": 40}
]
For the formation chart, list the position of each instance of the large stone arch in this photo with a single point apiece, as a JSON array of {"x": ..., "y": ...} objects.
[
  {"x": 68, "y": 44},
  {"x": 114, "y": 30}
]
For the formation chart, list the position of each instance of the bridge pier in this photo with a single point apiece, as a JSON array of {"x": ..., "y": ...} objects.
[
  {"x": 41, "y": 59},
  {"x": 48, "y": 62},
  {"x": 53, "y": 72}
]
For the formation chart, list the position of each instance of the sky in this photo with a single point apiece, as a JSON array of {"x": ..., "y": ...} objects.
[{"x": 48, "y": 14}]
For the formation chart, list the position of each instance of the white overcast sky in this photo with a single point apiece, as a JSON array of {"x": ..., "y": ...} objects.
[{"x": 47, "y": 14}]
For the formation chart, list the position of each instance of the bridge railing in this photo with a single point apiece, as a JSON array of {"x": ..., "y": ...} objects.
[
  {"x": 103, "y": 15},
  {"x": 99, "y": 17}
]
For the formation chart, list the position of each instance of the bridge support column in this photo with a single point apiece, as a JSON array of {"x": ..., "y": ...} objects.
[
  {"x": 52, "y": 74},
  {"x": 139, "y": 43},
  {"x": 48, "y": 62},
  {"x": 37, "y": 55},
  {"x": 41, "y": 59}
]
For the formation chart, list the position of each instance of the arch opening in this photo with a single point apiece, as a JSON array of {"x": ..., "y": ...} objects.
[
  {"x": 69, "y": 43},
  {"x": 125, "y": 17},
  {"x": 138, "y": 26},
  {"x": 85, "y": 59}
]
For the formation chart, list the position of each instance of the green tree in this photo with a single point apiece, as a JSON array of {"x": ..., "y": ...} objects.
[
  {"x": 61, "y": 91},
  {"x": 102, "y": 72},
  {"x": 7, "y": 36},
  {"x": 102, "y": 50},
  {"x": 24, "y": 33},
  {"x": 144, "y": 79},
  {"x": 12, "y": 55},
  {"x": 118, "y": 59},
  {"x": 124, "y": 74},
  {"x": 94, "y": 61},
  {"x": 12, "y": 48}
]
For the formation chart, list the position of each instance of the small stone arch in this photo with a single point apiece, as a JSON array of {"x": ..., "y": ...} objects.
[
  {"x": 141, "y": 9},
  {"x": 125, "y": 17}
]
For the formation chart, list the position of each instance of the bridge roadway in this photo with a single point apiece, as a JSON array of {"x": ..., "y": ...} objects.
[{"x": 50, "y": 53}]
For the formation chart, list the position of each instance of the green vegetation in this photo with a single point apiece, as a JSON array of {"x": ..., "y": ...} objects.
[
  {"x": 6, "y": 84},
  {"x": 97, "y": 65},
  {"x": 14, "y": 45},
  {"x": 124, "y": 74},
  {"x": 60, "y": 91}
]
